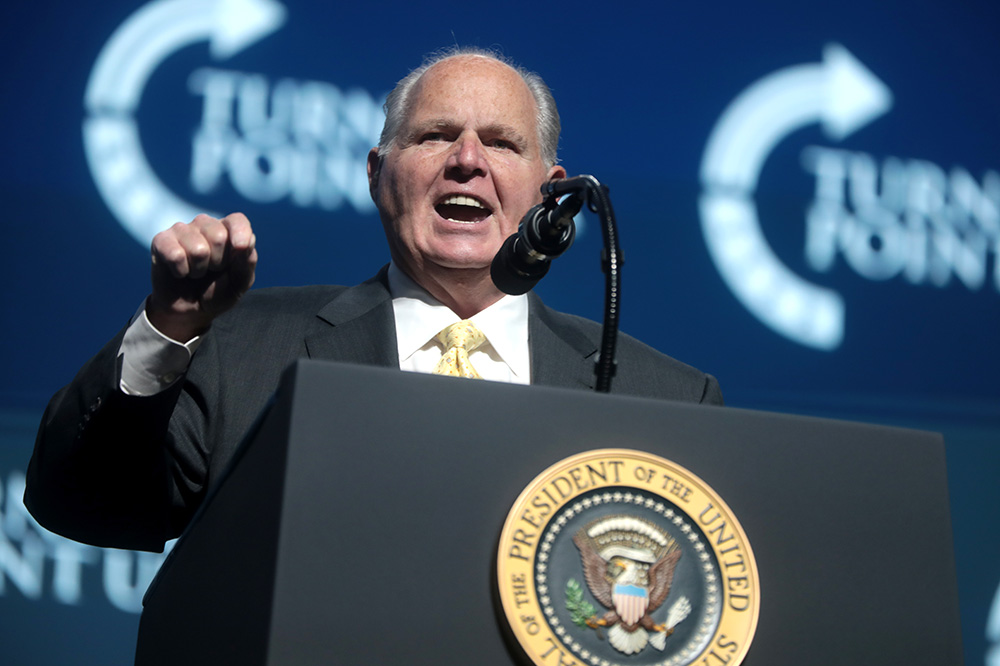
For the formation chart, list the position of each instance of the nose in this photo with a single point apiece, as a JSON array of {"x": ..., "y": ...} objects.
[{"x": 468, "y": 157}]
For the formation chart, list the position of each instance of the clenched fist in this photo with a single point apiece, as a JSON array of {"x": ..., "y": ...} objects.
[{"x": 200, "y": 270}]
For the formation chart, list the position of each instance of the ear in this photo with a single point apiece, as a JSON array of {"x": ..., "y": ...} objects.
[
  {"x": 557, "y": 172},
  {"x": 374, "y": 170}
]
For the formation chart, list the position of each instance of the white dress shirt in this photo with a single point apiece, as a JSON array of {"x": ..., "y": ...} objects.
[
  {"x": 420, "y": 317},
  {"x": 152, "y": 362}
]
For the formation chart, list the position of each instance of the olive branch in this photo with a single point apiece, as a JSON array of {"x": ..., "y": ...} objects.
[{"x": 579, "y": 609}]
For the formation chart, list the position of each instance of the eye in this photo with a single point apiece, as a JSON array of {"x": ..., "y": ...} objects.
[
  {"x": 502, "y": 144},
  {"x": 432, "y": 136}
]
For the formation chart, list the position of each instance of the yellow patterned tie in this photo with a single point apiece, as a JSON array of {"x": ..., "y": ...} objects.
[{"x": 458, "y": 340}]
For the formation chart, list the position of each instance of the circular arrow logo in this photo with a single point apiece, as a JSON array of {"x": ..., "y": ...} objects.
[
  {"x": 127, "y": 183},
  {"x": 842, "y": 95}
]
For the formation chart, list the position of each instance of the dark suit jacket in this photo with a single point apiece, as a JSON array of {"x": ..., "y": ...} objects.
[{"x": 115, "y": 470}]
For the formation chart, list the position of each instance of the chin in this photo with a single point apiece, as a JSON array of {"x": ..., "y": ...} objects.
[
  {"x": 464, "y": 265},
  {"x": 466, "y": 257}
]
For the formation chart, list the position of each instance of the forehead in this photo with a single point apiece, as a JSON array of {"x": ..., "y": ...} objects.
[{"x": 467, "y": 88}]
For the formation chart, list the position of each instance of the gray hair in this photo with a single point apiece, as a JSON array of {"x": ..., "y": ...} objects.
[{"x": 398, "y": 102}]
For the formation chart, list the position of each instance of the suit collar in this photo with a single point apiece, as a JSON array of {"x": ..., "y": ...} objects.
[{"x": 358, "y": 326}]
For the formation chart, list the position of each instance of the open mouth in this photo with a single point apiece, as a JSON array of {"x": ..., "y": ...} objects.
[{"x": 461, "y": 208}]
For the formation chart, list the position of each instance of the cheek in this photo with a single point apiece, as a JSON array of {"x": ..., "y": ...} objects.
[
  {"x": 520, "y": 183},
  {"x": 523, "y": 198},
  {"x": 393, "y": 198},
  {"x": 398, "y": 180}
]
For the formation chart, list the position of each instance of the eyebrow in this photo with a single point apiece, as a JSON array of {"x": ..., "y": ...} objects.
[{"x": 493, "y": 129}]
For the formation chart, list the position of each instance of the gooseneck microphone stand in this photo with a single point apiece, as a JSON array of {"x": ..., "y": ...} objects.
[{"x": 547, "y": 231}]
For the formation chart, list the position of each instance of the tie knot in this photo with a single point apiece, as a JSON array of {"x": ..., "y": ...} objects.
[{"x": 463, "y": 335}]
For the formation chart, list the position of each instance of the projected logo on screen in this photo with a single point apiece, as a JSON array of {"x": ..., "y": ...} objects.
[
  {"x": 300, "y": 141},
  {"x": 900, "y": 217},
  {"x": 41, "y": 566}
]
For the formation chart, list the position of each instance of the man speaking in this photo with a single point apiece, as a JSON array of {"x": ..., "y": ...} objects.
[{"x": 126, "y": 452}]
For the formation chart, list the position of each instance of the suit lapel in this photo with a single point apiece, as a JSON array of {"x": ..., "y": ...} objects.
[
  {"x": 561, "y": 354},
  {"x": 357, "y": 327}
]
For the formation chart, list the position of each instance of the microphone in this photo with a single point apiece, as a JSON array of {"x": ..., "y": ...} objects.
[{"x": 545, "y": 232}]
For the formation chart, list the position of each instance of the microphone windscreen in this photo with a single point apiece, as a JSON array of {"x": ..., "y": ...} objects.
[{"x": 511, "y": 273}]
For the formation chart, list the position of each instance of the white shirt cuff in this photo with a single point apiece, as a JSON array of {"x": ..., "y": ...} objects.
[{"x": 152, "y": 362}]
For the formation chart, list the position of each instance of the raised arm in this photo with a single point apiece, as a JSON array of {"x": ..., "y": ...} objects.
[{"x": 107, "y": 467}]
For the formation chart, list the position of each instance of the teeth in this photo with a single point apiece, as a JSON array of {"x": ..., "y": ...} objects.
[{"x": 462, "y": 200}]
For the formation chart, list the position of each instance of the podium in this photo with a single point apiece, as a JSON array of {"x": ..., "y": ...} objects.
[{"x": 359, "y": 524}]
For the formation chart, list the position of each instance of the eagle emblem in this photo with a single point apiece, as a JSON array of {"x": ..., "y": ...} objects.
[{"x": 629, "y": 566}]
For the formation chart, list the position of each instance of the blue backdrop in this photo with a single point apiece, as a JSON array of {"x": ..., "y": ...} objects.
[{"x": 811, "y": 191}]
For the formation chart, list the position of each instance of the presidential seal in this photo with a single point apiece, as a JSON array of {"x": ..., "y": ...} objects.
[{"x": 617, "y": 557}]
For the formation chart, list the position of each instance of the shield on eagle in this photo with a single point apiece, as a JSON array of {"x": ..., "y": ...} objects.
[{"x": 630, "y": 602}]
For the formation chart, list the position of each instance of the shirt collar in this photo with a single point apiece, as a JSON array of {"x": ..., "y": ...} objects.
[{"x": 420, "y": 316}]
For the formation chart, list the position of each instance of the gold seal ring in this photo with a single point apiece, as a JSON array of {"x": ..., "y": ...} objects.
[{"x": 613, "y": 557}]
